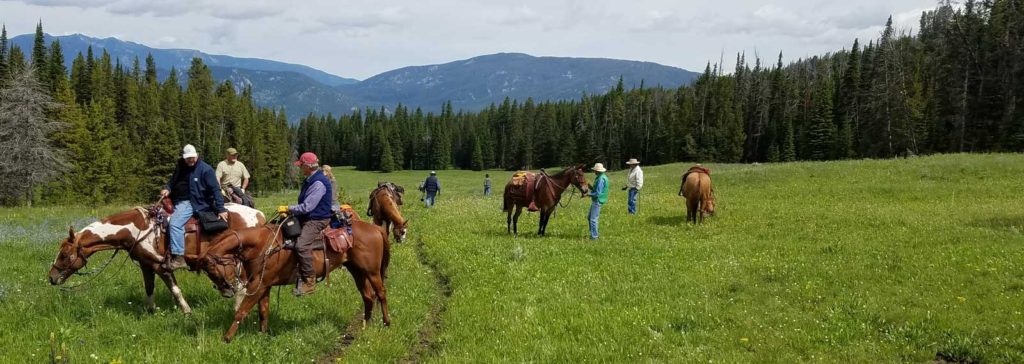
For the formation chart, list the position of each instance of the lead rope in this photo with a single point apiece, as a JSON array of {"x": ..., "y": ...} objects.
[{"x": 102, "y": 268}]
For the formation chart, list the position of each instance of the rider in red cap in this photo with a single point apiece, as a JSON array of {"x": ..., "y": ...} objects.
[{"x": 313, "y": 211}]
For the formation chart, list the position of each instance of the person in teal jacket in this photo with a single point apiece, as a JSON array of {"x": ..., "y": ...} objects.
[{"x": 598, "y": 196}]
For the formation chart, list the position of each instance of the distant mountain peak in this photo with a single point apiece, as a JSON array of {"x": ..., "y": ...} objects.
[{"x": 470, "y": 84}]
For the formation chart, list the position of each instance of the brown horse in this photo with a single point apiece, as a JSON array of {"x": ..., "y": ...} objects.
[
  {"x": 700, "y": 197},
  {"x": 544, "y": 191},
  {"x": 137, "y": 232},
  {"x": 257, "y": 251},
  {"x": 384, "y": 207}
]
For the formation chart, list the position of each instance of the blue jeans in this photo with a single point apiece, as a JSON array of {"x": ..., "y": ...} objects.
[
  {"x": 182, "y": 212},
  {"x": 631, "y": 205},
  {"x": 429, "y": 200},
  {"x": 487, "y": 190},
  {"x": 595, "y": 213}
]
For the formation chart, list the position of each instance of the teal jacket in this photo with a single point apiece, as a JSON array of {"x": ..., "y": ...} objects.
[{"x": 600, "y": 191}]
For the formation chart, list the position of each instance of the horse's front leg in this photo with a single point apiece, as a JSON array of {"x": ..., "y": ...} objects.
[
  {"x": 543, "y": 223},
  {"x": 242, "y": 311},
  {"x": 148, "y": 280},
  {"x": 265, "y": 312},
  {"x": 515, "y": 221},
  {"x": 172, "y": 285}
]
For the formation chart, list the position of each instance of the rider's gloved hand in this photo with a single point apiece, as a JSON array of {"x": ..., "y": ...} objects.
[{"x": 282, "y": 210}]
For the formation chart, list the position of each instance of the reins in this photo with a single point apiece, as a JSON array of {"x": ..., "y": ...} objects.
[
  {"x": 563, "y": 188},
  {"x": 103, "y": 267}
]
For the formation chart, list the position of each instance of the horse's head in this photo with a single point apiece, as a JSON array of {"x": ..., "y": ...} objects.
[
  {"x": 400, "y": 230},
  {"x": 709, "y": 206},
  {"x": 578, "y": 178},
  {"x": 70, "y": 259},
  {"x": 224, "y": 271}
]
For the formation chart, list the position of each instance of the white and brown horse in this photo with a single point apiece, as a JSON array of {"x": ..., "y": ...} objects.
[{"x": 137, "y": 232}]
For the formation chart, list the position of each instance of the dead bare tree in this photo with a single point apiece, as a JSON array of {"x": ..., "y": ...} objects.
[{"x": 30, "y": 158}]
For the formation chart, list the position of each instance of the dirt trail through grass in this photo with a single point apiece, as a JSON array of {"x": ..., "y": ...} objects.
[{"x": 428, "y": 333}]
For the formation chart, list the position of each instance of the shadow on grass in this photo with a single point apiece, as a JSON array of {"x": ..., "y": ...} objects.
[
  {"x": 531, "y": 234},
  {"x": 1003, "y": 223},
  {"x": 668, "y": 220},
  {"x": 132, "y": 302}
]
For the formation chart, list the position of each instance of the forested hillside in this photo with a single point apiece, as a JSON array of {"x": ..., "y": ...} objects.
[
  {"x": 955, "y": 85},
  {"x": 120, "y": 130}
]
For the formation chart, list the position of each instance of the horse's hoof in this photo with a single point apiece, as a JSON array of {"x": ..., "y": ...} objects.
[{"x": 364, "y": 324}]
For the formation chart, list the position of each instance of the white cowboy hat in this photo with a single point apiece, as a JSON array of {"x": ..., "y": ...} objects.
[
  {"x": 632, "y": 161},
  {"x": 598, "y": 167}
]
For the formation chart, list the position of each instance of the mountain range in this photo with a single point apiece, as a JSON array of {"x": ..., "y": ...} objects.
[{"x": 470, "y": 84}]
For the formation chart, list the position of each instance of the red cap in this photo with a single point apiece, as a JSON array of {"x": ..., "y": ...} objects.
[{"x": 306, "y": 158}]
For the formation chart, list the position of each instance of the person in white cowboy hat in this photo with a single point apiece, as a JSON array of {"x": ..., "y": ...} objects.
[
  {"x": 634, "y": 183},
  {"x": 598, "y": 196}
]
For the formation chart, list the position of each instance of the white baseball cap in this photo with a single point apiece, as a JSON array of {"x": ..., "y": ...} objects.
[{"x": 189, "y": 151}]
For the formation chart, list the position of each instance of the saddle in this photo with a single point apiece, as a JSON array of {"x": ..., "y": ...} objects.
[
  {"x": 196, "y": 241},
  {"x": 696, "y": 169},
  {"x": 337, "y": 236},
  {"x": 395, "y": 190},
  {"x": 524, "y": 186}
]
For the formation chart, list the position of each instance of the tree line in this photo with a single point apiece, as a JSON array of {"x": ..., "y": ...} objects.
[
  {"x": 113, "y": 131},
  {"x": 104, "y": 131},
  {"x": 954, "y": 86}
]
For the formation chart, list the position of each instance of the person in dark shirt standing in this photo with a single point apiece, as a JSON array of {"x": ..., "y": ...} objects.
[{"x": 432, "y": 187}]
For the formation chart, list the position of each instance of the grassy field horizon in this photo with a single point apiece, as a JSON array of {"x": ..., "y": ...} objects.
[{"x": 903, "y": 260}]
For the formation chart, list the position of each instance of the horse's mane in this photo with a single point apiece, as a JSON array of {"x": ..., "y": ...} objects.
[
  {"x": 137, "y": 209},
  {"x": 563, "y": 172}
]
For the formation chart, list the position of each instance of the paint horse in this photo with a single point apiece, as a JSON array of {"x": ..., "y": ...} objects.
[
  {"x": 700, "y": 197},
  {"x": 138, "y": 232},
  {"x": 542, "y": 190},
  {"x": 258, "y": 251},
  {"x": 384, "y": 208}
]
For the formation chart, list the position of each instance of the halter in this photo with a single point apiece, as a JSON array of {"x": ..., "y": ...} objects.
[
  {"x": 271, "y": 249},
  {"x": 563, "y": 188},
  {"x": 153, "y": 228}
]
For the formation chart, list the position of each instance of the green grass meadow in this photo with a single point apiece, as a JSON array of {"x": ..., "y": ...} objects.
[{"x": 910, "y": 260}]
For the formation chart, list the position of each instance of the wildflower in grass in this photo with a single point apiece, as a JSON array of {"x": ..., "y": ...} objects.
[
  {"x": 962, "y": 298},
  {"x": 744, "y": 340}
]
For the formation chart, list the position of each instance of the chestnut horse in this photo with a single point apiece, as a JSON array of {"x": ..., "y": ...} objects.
[
  {"x": 137, "y": 232},
  {"x": 384, "y": 202},
  {"x": 700, "y": 197},
  {"x": 547, "y": 192},
  {"x": 258, "y": 251}
]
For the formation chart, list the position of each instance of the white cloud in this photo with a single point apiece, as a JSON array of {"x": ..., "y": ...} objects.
[{"x": 359, "y": 38}]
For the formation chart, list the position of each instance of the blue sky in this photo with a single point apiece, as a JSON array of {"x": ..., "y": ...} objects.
[{"x": 361, "y": 38}]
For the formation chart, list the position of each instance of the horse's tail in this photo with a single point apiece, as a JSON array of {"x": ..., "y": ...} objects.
[
  {"x": 506, "y": 204},
  {"x": 700, "y": 196},
  {"x": 385, "y": 260}
]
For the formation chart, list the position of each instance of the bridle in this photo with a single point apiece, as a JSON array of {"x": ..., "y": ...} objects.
[
  {"x": 237, "y": 259},
  {"x": 574, "y": 178},
  {"x": 79, "y": 254}
]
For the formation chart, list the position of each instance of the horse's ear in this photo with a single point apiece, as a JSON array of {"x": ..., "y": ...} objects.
[{"x": 71, "y": 233}]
